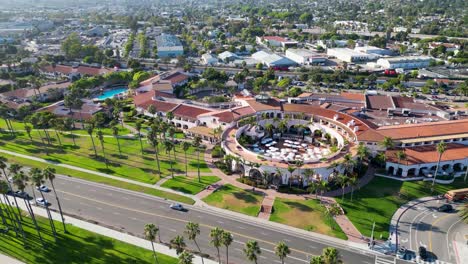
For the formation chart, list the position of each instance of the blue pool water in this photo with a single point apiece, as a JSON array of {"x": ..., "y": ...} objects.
[{"x": 111, "y": 93}]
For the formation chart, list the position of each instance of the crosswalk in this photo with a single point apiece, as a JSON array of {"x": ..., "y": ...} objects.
[
  {"x": 382, "y": 260},
  {"x": 409, "y": 258}
]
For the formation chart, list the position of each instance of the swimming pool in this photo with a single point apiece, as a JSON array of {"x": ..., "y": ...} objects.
[{"x": 111, "y": 93}]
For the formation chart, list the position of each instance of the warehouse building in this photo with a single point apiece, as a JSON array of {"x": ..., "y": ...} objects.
[
  {"x": 349, "y": 55},
  {"x": 272, "y": 59},
  {"x": 169, "y": 46},
  {"x": 409, "y": 62},
  {"x": 304, "y": 56}
]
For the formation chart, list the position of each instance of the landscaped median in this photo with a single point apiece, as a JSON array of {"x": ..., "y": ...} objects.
[
  {"x": 379, "y": 200},
  {"x": 189, "y": 185},
  {"x": 77, "y": 246},
  {"x": 99, "y": 179},
  {"x": 305, "y": 214},
  {"x": 236, "y": 199}
]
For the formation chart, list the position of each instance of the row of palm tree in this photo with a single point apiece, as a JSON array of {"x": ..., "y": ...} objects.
[
  {"x": 15, "y": 176},
  {"x": 221, "y": 238}
]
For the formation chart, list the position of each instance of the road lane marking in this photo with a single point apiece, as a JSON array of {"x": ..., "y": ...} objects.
[
  {"x": 447, "y": 239},
  {"x": 415, "y": 231},
  {"x": 183, "y": 221},
  {"x": 430, "y": 230}
]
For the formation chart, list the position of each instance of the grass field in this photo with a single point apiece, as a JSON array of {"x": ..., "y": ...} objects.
[
  {"x": 235, "y": 199},
  {"x": 132, "y": 165},
  {"x": 189, "y": 185},
  {"x": 379, "y": 200},
  {"x": 305, "y": 214},
  {"x": 78, "y": 246},
  {"x": 100, "y": 179}
]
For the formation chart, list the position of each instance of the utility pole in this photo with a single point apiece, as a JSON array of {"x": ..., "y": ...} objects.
[{"x": 372, "y": 236}]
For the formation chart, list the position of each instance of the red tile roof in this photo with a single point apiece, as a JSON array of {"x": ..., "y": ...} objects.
[
  {"x": 354, "y": 96},
  {"x": 188, "y": 111},
  {"x": 428, "y": 154},
  {"x": 144, "y": 100},
  {"x": 231, "y": 115},
  {"x": 379, "y": 102},
  {"x": 432, "y": 129}
]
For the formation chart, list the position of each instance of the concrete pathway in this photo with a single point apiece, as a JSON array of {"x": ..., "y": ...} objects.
[
  {"x": 137, "y": 241},
  {"x": 9, "y": 260},
  {"x": 267, "y": 206}
]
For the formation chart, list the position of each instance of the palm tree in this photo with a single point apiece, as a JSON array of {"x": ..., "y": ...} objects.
[
  {"x": 69, "y": 125},
  {"x": 178, "y": 244},
  {"x": 185, "y": 258},
  {"x": 216, "y": 239},
  {"x": 441, "y": 147},
  {"x": 282, "y": 251},
  {"x": 342, "y": 181},
  {"x": 269, "y": 129},
  {"x": 138, "y": 129},
  {"x": 16, "y": 167},
  {"x": 316, "y": 260},
  {"x": 20, "y": 179},
  {"x": 49, "y": 174},
  {"x": 90, "y": 129},
  {"x": 322, "y": 187},
  {"x": 193, "y": 230},
  {"x": 169, "y": 146},
  {"x": 283, "y": 126},
  {"x": 4, "y": 189},
  {"x": 400, "y": 155},
  {"x": 28, "y": 131},
  {"x": 362, "y": 153},
  {"x": 291, "y": 169},
  {"x": 348, "y": 163},
  {"x": 308, "y": 173},
  {"x": 464, "y": 213},
  {"x": 185, "y": 148},
  {"x": 196, "y": 143},
  {"x": 226, "y": 240},
  {"x": 331, "y": 256},
  {"x": 170, "y": 116},
  {"x": 100, "y": 136},
  {"x": 387, "y": 143},
  {"x": 150, "y": 233},
  {"x": 353, "y": 182},
  {"x": 153, "y": 141},
  {"x": 252, "y": 250},
  {"x": 57, "y": 125},
  {"x": 115, "y": 133}
]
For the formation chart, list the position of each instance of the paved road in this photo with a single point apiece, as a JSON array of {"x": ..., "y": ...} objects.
[
  {"x": 423, "y": 225},
  {"x": 131, "y": 211}
]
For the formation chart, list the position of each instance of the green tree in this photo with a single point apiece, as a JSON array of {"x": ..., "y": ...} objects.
[
  {"x": 178, "y": 244},
  {"x": 28, "y": 130},
  {"x": 441, "y": 148},
  {"x": 282, "y": 251},
  {"x": 150, "y": 233},
  {"x": 185, "y": 147},
  {"x": 71, "y": 46},
  {"x": 331, "y": 256},
  {"x": 185, "y": 258},
  {"x": 153, "y": 141},
  {"x": 387, "y": 143},
  {"x": 169, "y": 146},
  {"x": 226, "y": 240},
  {"x": 4, "y": 189},
  {"x": 90, "y": 130},
  {"x": 49, "y": 174},
  {"x": 252, "y": 250},
  {"x": 100, "y": 136},
  {"x": 197, "y": 143},
  {"x": 192, "y": 230},
  {"x": 342, "y": 180},
  {"x": 138, "y": 129},
  {"x": 115, "y": 133},
  {"x": 216, "y": 240}
]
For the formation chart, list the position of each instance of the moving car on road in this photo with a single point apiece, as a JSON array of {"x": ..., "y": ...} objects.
[
  {"x": 423, "y": 253},
  {"x": 43, "y": 188},
  {"x": 42, "y": 202},
  {"x": 177, "y": 206},
  {"x": 445, "y": 208}
]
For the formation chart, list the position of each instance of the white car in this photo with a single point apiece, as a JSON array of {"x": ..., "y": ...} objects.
[
  {"x": 177, "y": 206},
  {"x": 43, "y": 188},
  {"x": 42, "y": 202}
]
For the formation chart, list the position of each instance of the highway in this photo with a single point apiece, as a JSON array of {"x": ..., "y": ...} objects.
[
  {"x": 423, "y": 225},
  {"x": 130, "y": 211}
]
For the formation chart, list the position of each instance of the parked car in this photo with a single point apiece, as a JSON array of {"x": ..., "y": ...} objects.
[
  {"x": 43, "y": 188},
  {"x": 177, "y": 206},
  {"x": 445, "y": 208},
  {"x": 42, "y": 202},
  {"x": 401, "y": 253},
  {"x": 423, "y": 253},
  {"x": 22, "y": 194}
]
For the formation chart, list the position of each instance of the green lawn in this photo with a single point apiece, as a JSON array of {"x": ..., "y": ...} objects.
[
  {"x": 132, "y": 165},
  {"x": 99, "y": 179},
  {"x": 78, "y": 246},
  {"x": 379, "y": 200},
  {"x": 305, "y": 214},
  {"x": 235, "y": 199},
  {"x": 190, "y": 185}
]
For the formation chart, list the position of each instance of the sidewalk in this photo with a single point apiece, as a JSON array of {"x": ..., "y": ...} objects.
[
  {"x": 9, "y": 260},
  {"x": 143, "y": 243}
]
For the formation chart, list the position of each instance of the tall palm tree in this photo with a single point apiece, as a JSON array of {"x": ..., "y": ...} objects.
[
  {"x": 226, "y": 240},
  {"x": 252, "y": 250},
  {"x": 185, "y": 258},
  {"x": 322, "y": 187},
  {"x": 316, "y": 260},
  {"x": 3, "y": 166},
  {"x": 400, "y": 155},
  {"x": 153, "y": 141},
  {"x": 464, "y": 213},
  {"x": 308, "y": 173},
  {"x": 69, "y": 125},
  {"x": 283, "y": 126},
  {"x": 20, "y": 179},
  {"x": 150, "y": 233},
  {"x": 196, "y": 143},
  {"x": 216, "y": 239},
  {"x": 169, "y": 146},
  {"x": 90, "y": 130},
  {"x": 185, "y": 148},
  {"x": 269, "y": 129},
  {"x": 387, "y": 143},
  {"x": 28, "y": 130},
  {"x": 34, "y": 173},
  {"x": 353, "y": 182},
  {"x": 362, "y": 153},
  {"x": 115, "y": 133},
  {"x": 4, "y": 189},
  {"x": 441, "y": 147},
  {"x": 100, "y": 137},
  {"x": 348, "y": 163},
  {"x": 138, "y": 129},
  {"x": 342, "y": 181},
  {"x": 192, "y": 230},
  {"x": 49, "y": 174},
  {"x": 178, "y": 244},
  {"x": 331, "y": 256},
  {"x": 291, "y": 170},
  {"x": 57, "y": 125},
  {"x": 282, "y": 251}
]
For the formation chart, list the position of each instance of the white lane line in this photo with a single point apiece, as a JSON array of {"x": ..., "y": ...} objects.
[
  {"x": 263, "y": 257},
  {"x": 447, "y": 239},
  {"x": 411, "y": 228},
  {"x": 287, "y": 240},
  {"x": 313, "y": 247},
  {"x": 173, "y": 230},
  {"x": 99, "y": 208},
  {"x": 367, "y": 262},
  {"x": 263, "y": 233},
  {"x": 238, "y": 249},
  {"x": 66, "y": 199},
  {"x": 220, "y": 222}
]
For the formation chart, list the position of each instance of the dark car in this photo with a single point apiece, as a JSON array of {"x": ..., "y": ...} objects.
[
  {"x": 423, "y": 253},
  {"x": 445, "y": 208}
]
